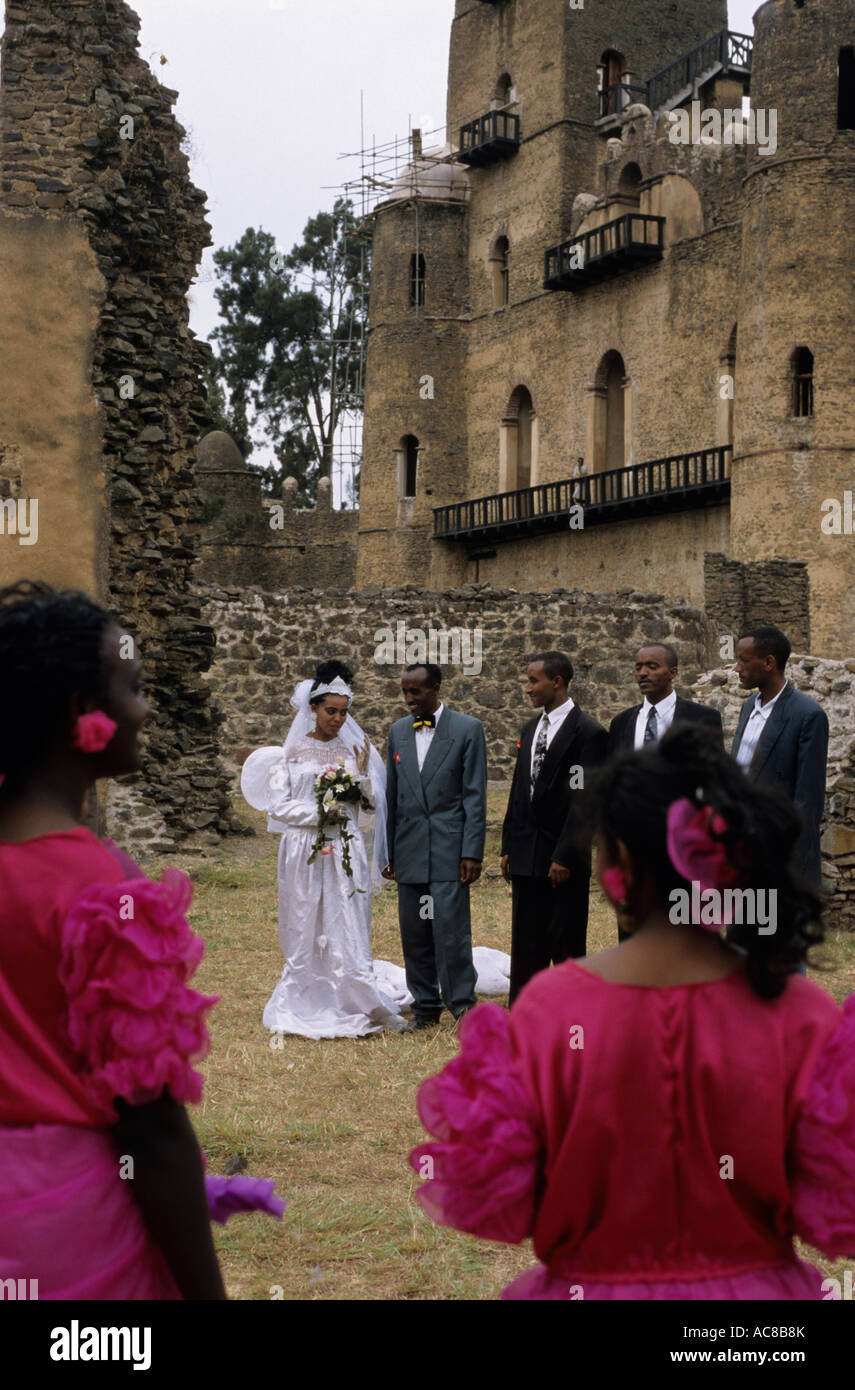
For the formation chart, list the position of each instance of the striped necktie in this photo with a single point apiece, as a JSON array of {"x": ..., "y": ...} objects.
[
  {"x": 539, "y": 751},
  {"x": 650, "y": 728}
]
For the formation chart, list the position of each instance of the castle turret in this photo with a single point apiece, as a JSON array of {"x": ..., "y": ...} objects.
[
  {"x": 414, "y": 440},
  {"x": 793, "y": 441}
]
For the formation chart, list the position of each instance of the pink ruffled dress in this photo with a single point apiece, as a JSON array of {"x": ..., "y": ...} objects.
[
  {"x": 654, "y": 1143},
  {"x": 95, "y": 1004}
]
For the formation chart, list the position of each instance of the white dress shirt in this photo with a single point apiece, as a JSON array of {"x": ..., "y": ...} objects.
[
  {"x": 664, "y": 717},
  {"x": 755, "y": 726},
  {"x": 554, "y": 719},
  {"x": 424, "y": 736}
]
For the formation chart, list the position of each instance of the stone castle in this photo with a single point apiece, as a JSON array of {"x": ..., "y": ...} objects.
[{"x": 611, "y": 322}]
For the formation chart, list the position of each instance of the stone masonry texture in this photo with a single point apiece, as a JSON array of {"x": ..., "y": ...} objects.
[{"x": 91, "y": 150}]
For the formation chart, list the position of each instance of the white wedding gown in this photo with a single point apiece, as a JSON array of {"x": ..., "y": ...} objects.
[{"x": 328, "y": 988}]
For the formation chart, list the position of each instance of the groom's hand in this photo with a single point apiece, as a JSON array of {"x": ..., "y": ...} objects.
[
  {"x": 558, "y": 874},
  {"x": 470, "y": 869},
  {"x": 504, "y": 864},
  {"x": 389, "y": 871}
]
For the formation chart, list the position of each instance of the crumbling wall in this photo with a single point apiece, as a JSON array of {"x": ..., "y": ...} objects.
[
  {"x": 739, "y": 594},
  {"x": 89, "y": 141}
]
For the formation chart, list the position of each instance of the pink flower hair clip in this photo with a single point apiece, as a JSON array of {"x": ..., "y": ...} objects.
[
  {"x": 695, "y": 846},
  {"x": 92, "y": 732}
]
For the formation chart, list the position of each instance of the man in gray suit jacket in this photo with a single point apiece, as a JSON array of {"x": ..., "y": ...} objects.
[
  {"x": 782, "y": 738},
  {"x": 436, "y": 799}
]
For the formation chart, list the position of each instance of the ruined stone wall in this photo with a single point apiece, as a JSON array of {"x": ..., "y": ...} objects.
[
  {"x": 832, "y": 685},
  {"x": 741, "y": 595},
  {"x": 272, "y": 543},
  {"x": 92, "y": 168},
  {"x": 267, "y": 642}
]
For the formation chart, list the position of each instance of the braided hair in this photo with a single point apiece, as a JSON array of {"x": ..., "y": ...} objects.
[
  {"x": 629, "y": 801},
  {"x": 50, "y": 650},
  {"x": 326, "y": 673}
]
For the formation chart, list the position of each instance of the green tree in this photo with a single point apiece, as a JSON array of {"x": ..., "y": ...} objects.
[{"x": 289, "y": 342}]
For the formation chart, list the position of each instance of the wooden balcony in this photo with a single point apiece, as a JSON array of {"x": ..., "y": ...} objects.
[
  {"x": 725, "y": 53},
  {"x": 630, "y": 240},
  {"x": 495, "y": 135},
  {"x": 677, "y": 483}
]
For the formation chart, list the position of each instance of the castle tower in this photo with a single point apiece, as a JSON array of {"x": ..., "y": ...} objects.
[
  {"x": 535, "y": 87},
  {"x": 793, "y": 435},
  {"x": 414, "y": 441}
]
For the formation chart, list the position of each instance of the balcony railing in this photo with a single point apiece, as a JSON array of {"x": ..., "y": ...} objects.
[
  {"x": 488, "y": 138},
  {"x": 618, "y": 96},
  {"x": 632, "y": 239},
  {"x": 673, "y": 484},
  {"x": 725, "y": 51}
]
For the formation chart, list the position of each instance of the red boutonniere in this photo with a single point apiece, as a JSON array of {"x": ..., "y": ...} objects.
[
  {"x": 519, "y": 743},
  {"x": 397, "y": 757}
]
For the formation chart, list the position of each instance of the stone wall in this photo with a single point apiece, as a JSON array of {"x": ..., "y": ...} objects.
[
  {"x": 832, "y": 685},
  {"x": 267, "y": 642},
  {"x": 94, "y": 184},
  {"x": 272, "y": 543},
  {"x": 739, "y": 595}
]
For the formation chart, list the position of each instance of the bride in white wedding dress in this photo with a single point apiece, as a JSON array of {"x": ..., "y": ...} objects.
[{"x": 328, "y": 988}]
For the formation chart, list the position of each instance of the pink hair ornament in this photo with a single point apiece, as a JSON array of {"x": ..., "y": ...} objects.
[{"x": 92, "y": 732}]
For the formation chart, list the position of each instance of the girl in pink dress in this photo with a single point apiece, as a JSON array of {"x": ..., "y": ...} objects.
[
  {"x": 662, "y": 1118},
  {"x": 102, "y": 1193}
]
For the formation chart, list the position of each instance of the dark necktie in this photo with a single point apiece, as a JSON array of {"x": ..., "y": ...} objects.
[
  {"x": 539, "y": 751},
  {"x": 424, "y": 721},
  {"x": 650, "y": 729}
]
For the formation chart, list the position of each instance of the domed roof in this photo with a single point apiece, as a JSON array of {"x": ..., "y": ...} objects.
[
  {"x": 435, "y": 175},
  {"x": 217, "y": 452}
]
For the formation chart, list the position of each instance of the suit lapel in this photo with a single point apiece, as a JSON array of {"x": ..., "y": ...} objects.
[
  {"x": 744, "y": 716},
  {"x": 440, "y": 746},
  {"x": 775, "y": 725},
  {"x": 554, "y": 753},
  {"x": 627, "y": 733},
  {"x": 410, "y": 763}
]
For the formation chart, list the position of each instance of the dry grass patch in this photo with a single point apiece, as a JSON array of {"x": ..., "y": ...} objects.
[{"x": 332, "y": 1122}]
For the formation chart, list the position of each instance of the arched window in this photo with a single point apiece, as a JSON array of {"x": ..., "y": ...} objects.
[
  {"x": 417, "y": 280},
  {"x": 518, "y": 449},
  {"x": 408, "y": 455},
  {"x": 503, "y": 92},
  {"x": 726, "y": 391},
  {"x": 499, "y": 267},
  {"x": 846, "y": 89},
  {"x": 609, "y": 74},
  {"x": 801, "y": 373},
  {"x": 628, "y": 184}
]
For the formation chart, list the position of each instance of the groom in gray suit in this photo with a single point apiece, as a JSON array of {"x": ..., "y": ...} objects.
[{"x": 436, "y": 798}]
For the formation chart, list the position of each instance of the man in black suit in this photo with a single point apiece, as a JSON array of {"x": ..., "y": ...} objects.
[
  {"x": 782, "y": 738},
  {"x": 656, "y": 668},
  {"x": 549, "y": 876}
]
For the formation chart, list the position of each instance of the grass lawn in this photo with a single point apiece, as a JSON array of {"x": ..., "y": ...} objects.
[{"x": 332, "y": 1122}]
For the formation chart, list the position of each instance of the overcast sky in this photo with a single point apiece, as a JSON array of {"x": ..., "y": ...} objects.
[{"x": 270, "y": 91}]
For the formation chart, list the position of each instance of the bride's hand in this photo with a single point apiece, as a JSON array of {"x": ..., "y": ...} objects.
[{"x": 362, "y": 756}]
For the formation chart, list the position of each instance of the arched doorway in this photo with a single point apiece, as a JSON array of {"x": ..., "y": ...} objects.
[
  {"x": 518, "y": 443},
  {"x": 609, "y": 416}
]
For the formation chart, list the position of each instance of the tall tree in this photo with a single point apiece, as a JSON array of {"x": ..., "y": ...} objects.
[{"x": 289, "y": 341}]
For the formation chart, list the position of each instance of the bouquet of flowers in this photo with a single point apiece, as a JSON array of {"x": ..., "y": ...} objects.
[{"x": 335, "y": 787}]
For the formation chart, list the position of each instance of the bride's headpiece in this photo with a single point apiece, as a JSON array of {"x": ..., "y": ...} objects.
[{"x": 333, "y": 687}]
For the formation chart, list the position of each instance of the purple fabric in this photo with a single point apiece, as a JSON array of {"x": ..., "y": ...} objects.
[{"x": 229, "y": 1195}]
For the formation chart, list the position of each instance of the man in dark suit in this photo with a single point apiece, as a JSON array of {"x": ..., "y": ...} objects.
[
  {"x": 782, "y": 738},
  {"x": 549, "y": 876},
  {"x": 656, "y": 668}
]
